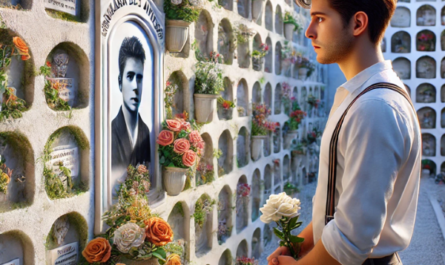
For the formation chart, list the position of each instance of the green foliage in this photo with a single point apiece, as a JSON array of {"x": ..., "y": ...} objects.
[
  {"x": 184, "y": 11},
  {"x": 289, "y": 19},
  {"x": 290, "y": 241},
  {"x": 178, "y": 208},
  {"x": 217, "y": 153},
  {"x": 209, "y": 78},
  {"x": 203, "y": 206}
]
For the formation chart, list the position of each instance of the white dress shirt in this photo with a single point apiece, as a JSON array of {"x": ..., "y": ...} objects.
[{"x": 378, "y": 172}]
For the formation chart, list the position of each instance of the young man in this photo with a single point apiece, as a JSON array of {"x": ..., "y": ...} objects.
[{"x": 378, "y": 150}]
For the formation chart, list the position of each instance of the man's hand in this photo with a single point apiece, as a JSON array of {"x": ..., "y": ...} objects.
[{"x": 273, "y": 258}]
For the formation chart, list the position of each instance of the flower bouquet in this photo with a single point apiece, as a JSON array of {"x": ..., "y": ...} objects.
[
  {"x": 134, "y": 233},
  {"x": 180, "y": 147},
  {"x": 258, "y": 55},
  {"x": 260, "y": 128},
  {"x": 426, "y": 42},
  {"x": 296, "y": 116},
  {"x": 246, "y": 261},
  {"x": 283, "y": 210}
]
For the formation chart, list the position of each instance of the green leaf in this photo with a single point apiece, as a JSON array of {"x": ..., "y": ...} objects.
[
  {"x": 161, "y": 252},
  {"x": 293, "y": 221},
  {"x": 296, "y": 239},
  {"x": 158, "y": 256},
  {"x": 278, "y": 233},
  {"x": 296, "y": 225}
]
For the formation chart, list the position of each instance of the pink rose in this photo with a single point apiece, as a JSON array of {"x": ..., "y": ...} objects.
[
  {"x": 195, "y": 137},
  {"x": 181, "y": 145},
  {"x": 174, "y": 125},
  {"x": 165, "y": 138},
  {"x": 189, "y": 158}
]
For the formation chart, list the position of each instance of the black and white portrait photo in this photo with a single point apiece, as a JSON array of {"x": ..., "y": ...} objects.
[{"x": 131, "y": 103}]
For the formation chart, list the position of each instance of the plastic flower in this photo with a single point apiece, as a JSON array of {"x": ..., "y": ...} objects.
[{"x": 127, "y": 236}]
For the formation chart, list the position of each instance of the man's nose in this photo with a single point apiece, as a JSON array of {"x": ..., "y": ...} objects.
[{"x": 310, "y": 32}]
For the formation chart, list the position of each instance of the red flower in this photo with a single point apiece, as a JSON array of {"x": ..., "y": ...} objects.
[
  {"x": 48, "y": 64},
  {"x": 168, "y": 83},
  {"x": 226, "y": 105}
]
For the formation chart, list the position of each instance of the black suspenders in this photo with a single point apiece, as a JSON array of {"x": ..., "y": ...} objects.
[{"x": 332, "y": 175}]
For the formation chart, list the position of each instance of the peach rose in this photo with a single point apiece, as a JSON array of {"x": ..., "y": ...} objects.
[
  {"x": 158, "y": 231},
  {"x": 173, "y": 259},
  {"x": 195, "y": 137},
  {"x": 21, "y": 47},
  {"x": 181, "y": 145},
  {"x": 174, "y": 125},
  {"x": 189, "y": 158},
  {"x": 200, "y": 146},
  {"x": 165, "y": 138},
  {"x": 97, "y": 250},
  {"x": 186, "y": 126}
]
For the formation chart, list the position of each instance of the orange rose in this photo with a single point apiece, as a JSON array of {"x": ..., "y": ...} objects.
[
  {"x": 22, "y": 48},
  {"x": 165, "y": 138},
  {"x": 195, "y": 137},
  {"x": 173, "y": 259},
  {"x": 174, "y": 125},
  {"x": 189, "y": 158},
  {"x": 181, "y": 145},
  {"x": 97, "y": 250},
  {"x": 158, "y": 231}
]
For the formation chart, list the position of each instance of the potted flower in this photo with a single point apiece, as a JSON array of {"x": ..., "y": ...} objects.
[
  {"x": 426, "y": 42},
  {"x": 179, "y": 14},
  {"x": 290, "y": 25},
  {"x": 297, "y": 148},
  {"x": 261, "y": 127},
  {"x": 295, "y": 118},
  {"x": 305, "y": 68},
  {"x": 246, "y": 260},
  {"x": 225, "y": 106},
  {"x": 258, "y": 55},
  {"x": 312, "y": 136},
  {"x": 313, "y": 103},
  {"x": 208, "y": 85},
  {"x": 179, "y": 148}
]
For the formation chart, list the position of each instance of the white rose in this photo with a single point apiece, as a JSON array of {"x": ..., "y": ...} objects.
[
  {"x": 278, "y": 206},
  {"x": 127, "y": 236}
]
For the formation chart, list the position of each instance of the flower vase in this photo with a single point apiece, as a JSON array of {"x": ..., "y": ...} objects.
[
  {"x": 257, "y": 146},
  {"x": 176, "y": 35},
  {"x": 204, "y": 107},
  {"x": 174, "y": 180},
  {"x": 289, "y": 137},
  {"x": 257, "y": 8},
  {"x": 288, "y": 31},
  {"x": 302, "y": 73}
]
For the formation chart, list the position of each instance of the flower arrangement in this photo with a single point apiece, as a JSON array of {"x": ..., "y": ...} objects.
[
  {"x": 134, "y": 233},
  {"x": 186, "y": 10},
  {"x": 246, "y": 261},
  {"x": 262, "y": 52},
  {"x": 297, "y": 147},
  {"x": 283, "y": 210},
  {"x": 243, "y": 33},
  {"x": 296, "y": 116},
  {"x": 260, "y": 124},
  {"x": 243, "y": 190},
  {"x": 426, "y": 42},
  {"x": 289, "y": 55},
  {"x": 203, "y": 206},
  {"x": 179, "y": 144},
  {"x": 51, "y": 89},
  {"x": 307, "y": 64},
  {"x": 205, "y": 173},
  {"x": 5, "y": 176},
  {"x": 10, "y": 47},
  {"x": 209, "y": 78},
  {"x": 289, "y": 19},
  {"x": 223, "y": 230},
  {"x": 225, "y": 104},
  {"x": 169, "y": 94},
  {"x": 313, "y": 101},
  {"x": 312, "y": 136}
]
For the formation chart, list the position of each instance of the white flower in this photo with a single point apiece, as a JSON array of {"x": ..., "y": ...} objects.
[
  {"x": 278, "y": 206},
  {"x": 127, "y": 236},
  {"x": 176, "y": 2}
]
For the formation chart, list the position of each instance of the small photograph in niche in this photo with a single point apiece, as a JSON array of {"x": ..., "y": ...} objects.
[{"x": 131, "y": 105}]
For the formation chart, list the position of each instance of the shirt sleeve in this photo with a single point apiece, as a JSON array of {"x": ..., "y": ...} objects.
[{"x": 373, "y": 142}]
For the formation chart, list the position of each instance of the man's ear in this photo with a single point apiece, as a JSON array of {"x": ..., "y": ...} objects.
[
  {"x": 360, "y": 23},
  {"x": 120, "y": 82}
]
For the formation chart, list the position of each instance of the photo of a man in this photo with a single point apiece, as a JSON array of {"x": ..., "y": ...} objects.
[{"x": 130, "y": 135}]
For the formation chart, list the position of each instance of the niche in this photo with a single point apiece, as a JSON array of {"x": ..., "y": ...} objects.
[
  {"x": 427, "y": 118},
  {"x": 402, "y": 67},
  {"x": 286, "y": 169},
  {"x": 442, "y": 118},
  {"x": 442, "y": 40},
  {"x": 442, "y": 68},
  {"x": 442, "y": 148},
  {"x": 256, "y": 93},
  {"x": 203, "y": 225},
  {"x": 401, "y": 42},
  {"x": 66, "y": 148},
  {"x": 303, "y": 101},
  {"x": 277, "y": 172},
  {"x": 204, "y": 33},
  {"x": 428, "y": 145},
  {"x": 278, "y": 58},
  {"x": 16, "y": 4},
  {"x": 226, "y": 45},
  {"x": 268, "y": 95},
  {"x": 279, "y": 20},
  {"x": 242, "y": 250},
  {"x": 383, "y": 44},
  {"x": 267, "y": 236},
  {"x": 426, "y": 93},
  {"x": 257, "y": 66},
  {"x": 205, "y": 172},
  {"x": 267, "y": 183},
  {"x": 242, "y": 203},
  {"x": 278, "y": 99},
  {"x": 426, "y": 16},
  {"x": 295, "y": 171},
  {"x": 269, "y": 16},
  {"x": 227, "y": 4},
  {"x": 426, "y": 67},
  {"x": 426, "y": 41},
  {"x": 442, "y": 93},
  {"x": 177, "y": 221},
  {"x": 295, "y": 94},
  {"x": 243, "y": 50},
  {"x": 178, "y": 81},
  {"x": 243, "y": 8},
  {"x": 227, "y": 94},
  {"x": 225, "y": 144},
  {"x": 267, "y": 145},
  {"x": 70, "y": 75},
  {"x": 443, "y": 16},
  {"x": 430, "y": 168},
  {"x": 257, "y": 11},
  {"x": 256, "y": 194},
  {"x": 242, "y": 147},
  {"x": 256, "y": 243},
  {"x": 242, "y": 93},
  {"x": 16, "y": 246},
  {"x": 224, "y": 214},
  {"x": 68, "y": 230},
  {"x": 17, "y": 167},
  {"x": 277, "y": 139},
  {"x": 226, "y": 258},
  {"x": 268, "y": 64},
  {"x": 401, "y": 18}
]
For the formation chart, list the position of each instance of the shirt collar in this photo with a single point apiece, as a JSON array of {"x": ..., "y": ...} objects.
[{"x": 358, "y": 80}]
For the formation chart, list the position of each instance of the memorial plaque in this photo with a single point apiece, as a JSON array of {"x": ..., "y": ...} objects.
[
  {"x": 69, "y": 156},
  {"x": 401, "y": 18},
  {"x": 65, "y": 255},
  {"x": 65, "y": 86},
  {"x": 65, "y": 6},
  {"x": 12, "y": 262}
]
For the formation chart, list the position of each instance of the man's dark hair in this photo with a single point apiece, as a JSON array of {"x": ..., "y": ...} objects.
[
  {"x": 379, "y": 14},
  {"x": 131, "y": 47}
]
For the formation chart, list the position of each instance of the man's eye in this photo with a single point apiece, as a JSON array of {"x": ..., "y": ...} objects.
[{"x": 320, "y": 19}]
